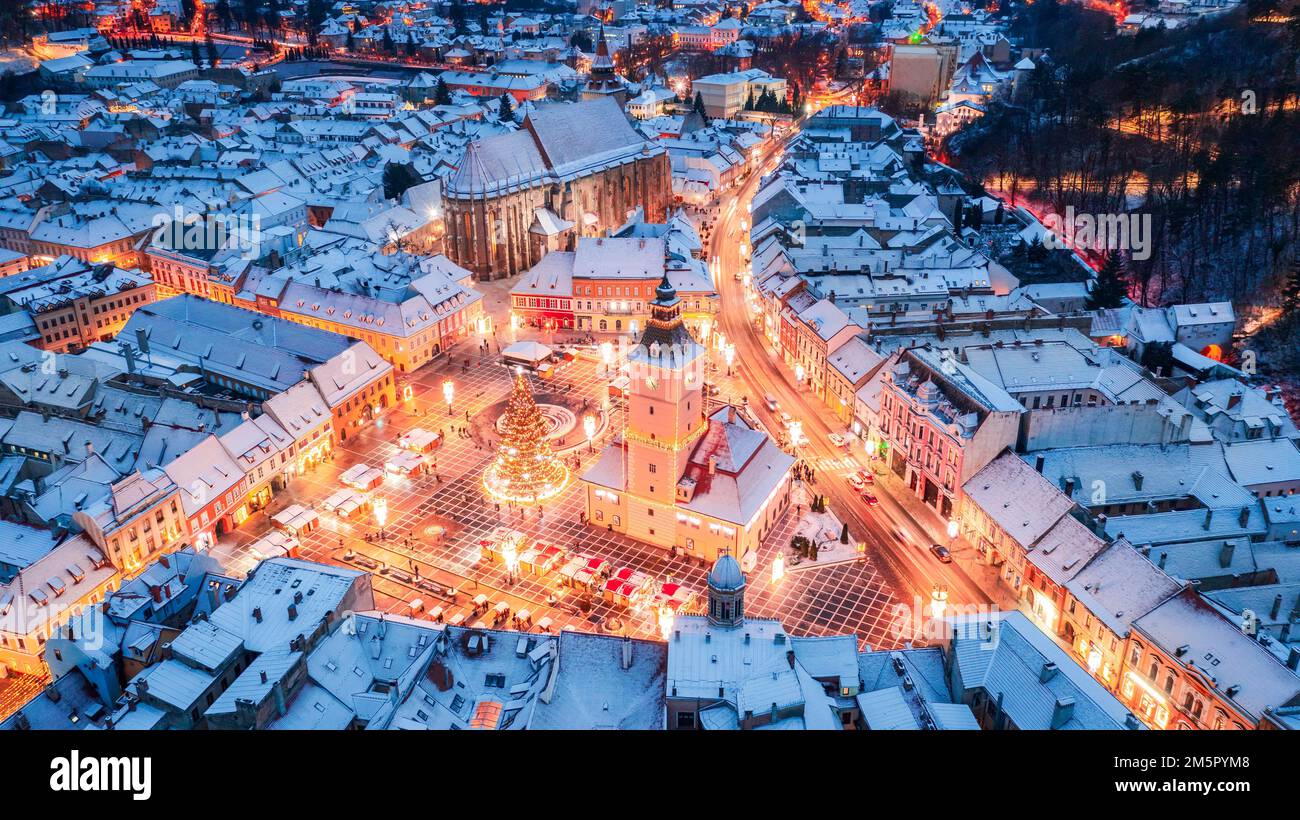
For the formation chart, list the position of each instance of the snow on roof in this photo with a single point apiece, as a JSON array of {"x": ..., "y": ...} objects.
[
  {"x": 1010, "y": 662},
  {"x": 1190, "y": 629},
  {"x": 271, "y": 590},
  {"x": 1019, "y": 500},
  {"x": 886, "y": 709}
]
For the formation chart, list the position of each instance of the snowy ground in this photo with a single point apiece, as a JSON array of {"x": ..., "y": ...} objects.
[
  {"x": 17, "y": 61},
  {"x": 823, "y": 529}
]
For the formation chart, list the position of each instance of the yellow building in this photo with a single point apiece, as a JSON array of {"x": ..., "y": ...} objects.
[{"x": 697, "y": 483}]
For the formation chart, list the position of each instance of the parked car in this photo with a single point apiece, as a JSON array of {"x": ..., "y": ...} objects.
[
  {"x": 770, "y": 401},
  {"x": 871, "y": 500},
  {"x": 866, "y": 477},
  {"x": 941, "y": 552},
  {"x": 856, "y": 482}
]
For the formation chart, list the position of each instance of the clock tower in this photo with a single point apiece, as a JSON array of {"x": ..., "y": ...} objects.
[{"x": 665, "y": 413}]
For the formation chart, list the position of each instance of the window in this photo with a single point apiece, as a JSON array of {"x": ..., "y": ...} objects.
[{"x": 685, "y": 720}]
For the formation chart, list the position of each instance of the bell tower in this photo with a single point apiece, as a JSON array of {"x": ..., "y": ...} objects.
[{"x": 665, "y": 415}]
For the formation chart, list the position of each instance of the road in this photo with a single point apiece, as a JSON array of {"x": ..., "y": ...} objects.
[{"x": 894, "y": 536}]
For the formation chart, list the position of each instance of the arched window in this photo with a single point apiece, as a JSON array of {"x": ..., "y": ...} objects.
[{"x": 1154, "y": 672}]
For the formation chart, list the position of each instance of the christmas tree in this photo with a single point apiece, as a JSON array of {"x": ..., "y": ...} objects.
[{"x": 524, "y": 469}]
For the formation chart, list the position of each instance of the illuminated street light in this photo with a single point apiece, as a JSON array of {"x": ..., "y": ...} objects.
[
  {"x": 798, "y": 373},
  {"x": 778, "y": 568},
  {"x": 589, "y": 427},
  {"x": 938, "y": 601},
  {"x": 448, "y": 392},
  {"x": 666, "y": 618},
  {"x": 510, "y": 555},
  {"x": 729, "y": 353},
  {"x": 952, "y": 529},
  {"x": 380, "y": 508}
]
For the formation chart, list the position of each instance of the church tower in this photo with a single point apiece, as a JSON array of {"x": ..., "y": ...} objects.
[
  {"x": 726, "y": 593},
  {"x": 665, "y": 416},
  {"x": 602, "y": 80}
]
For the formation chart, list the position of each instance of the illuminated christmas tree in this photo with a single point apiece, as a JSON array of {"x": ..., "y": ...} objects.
[{"x": 524, "y": 470}]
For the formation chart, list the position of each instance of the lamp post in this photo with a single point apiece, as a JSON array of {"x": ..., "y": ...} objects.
[
  {"x": 589, "y": 427},
  {"x": 666, "y": 618},
  {"x": 380, "y": 507},
  {"x": 952, "y": 531},
  {"x": 510, "y": 554},
  {"x": 778, "y": 568},
  {"x": 607, "y": 357},
  {"x": 938, "y": 601},
  {"x": 448, "y": 393},
  {"x": 729, "y": 354}
]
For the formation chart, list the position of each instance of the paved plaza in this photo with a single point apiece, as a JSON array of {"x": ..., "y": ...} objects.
[{"x": 435, "y": 522}]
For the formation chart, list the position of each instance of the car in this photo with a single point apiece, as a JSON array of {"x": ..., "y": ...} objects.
[
  {"x": 941, "y": 552},
  {"x": 837, "y": 439},
  {"x": 856, "y": 482},
  {"x": 785, "y": 417},
  {"x": 871, "y": 500},
  {"x": 866, "y": 477},
  {"x": 770, "y": 401}
]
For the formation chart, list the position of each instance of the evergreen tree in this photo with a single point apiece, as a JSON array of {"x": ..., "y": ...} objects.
[
  {"x": 350, "y": 44},
  {"x": 398, "y": 177},
  {"x": 211, "y": 47},
  {"x": 410, "y": 44},
  {"x": 194, "y": 54},
  {"x": 1291, "y": 290},
  {"x": 699, "y": 106},
  {"x": 506, "y": 113},
  {"x": 1109, "y": 290},
  {"x": 441, "y": 93}
]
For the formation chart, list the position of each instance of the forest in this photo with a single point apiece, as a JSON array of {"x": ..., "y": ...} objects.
[{"x": 1197, "y": 126}]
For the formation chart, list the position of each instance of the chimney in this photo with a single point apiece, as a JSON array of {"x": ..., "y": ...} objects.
[
  {"x": 1234, "y": 400},
  {"x": 1225, "y": 554},
  {"x": 1137, "y": 479},
  {"x": 1048, "y": 672},
  {"x": 257, "y": 614},
  {"x": 142, "y": 687},
  {"x": 1164, "y": 556},
  {"x": 1038, "y": 463},
  {"x": 263, "y": 676},
  {"x": 713, "y": 465},
  {"x": 1209, "y": 516},
  {"x": 155, "y": 592},
  {"x": 1243, "y": 516},
  {"x": 1293, "y": 659},
  {"x": 1277, "y": 607},
  {"x": 626, "y": 661},
  {"x": 1062, "y": 712},
  {"x": 293, "y": 612},
  {"x": 731, "y": 414},
  {"x": 1131, "y": 721},
  {"x": 90, "y": 448}
]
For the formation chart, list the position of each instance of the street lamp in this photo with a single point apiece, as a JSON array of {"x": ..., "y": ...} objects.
[
  {"x": 729, "y": 353},
  {"x": 938, "y": 601},
  {"x": 380, "y": 506},
  {"x": 798, "y": 373},
  {"x": 510, "y": 554},
  {"x": 665, "y": 622},
  {"x": 589, "y": 427},
  {"x": 448, "y": 393},
  {"x": 952, "y": 531},
  {"x": 778, "y": 568}
]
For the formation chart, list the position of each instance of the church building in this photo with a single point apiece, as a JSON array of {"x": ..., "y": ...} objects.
[
  {"x": 571, "y": 170},
  {"x": 700, "y": 483}
]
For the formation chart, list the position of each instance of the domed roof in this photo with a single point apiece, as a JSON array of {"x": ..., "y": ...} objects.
[{"x": 726, "y": 574}]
